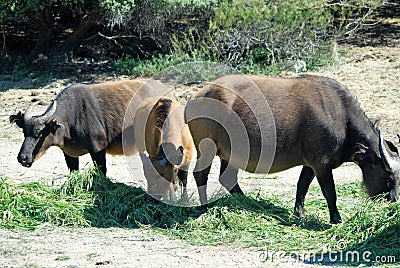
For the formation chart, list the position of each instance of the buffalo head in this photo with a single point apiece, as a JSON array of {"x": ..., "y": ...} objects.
[
  {"x": 161, "y": 172},
  {"x": 39, "y": 133},
  {"x": 381, "y": 170}
]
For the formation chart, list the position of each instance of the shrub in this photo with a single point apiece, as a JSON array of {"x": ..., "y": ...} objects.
[{"x": 262, "y": 36}]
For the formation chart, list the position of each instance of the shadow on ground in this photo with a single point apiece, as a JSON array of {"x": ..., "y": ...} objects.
[
  {"x": 45, "y": 74},
  {"x": 384, "y": 31},
  {"x": 120, "y": 205}
]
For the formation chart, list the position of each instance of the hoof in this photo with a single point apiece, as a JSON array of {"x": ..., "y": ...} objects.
[
  {"x": 152, "y": 199},
  {"x": 204, "y": 208},
  {"x": 236, "y": 190},
  {"x": 335, "y": 219},
  {"x": 299, "y": 213}
]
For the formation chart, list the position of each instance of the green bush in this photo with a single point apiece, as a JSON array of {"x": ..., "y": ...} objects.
[{"x": 263, "y": 36}]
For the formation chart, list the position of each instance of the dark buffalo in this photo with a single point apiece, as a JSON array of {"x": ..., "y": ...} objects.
[
  {"x": 84, "y": 118},
  {"x": 318, "y": 124}
]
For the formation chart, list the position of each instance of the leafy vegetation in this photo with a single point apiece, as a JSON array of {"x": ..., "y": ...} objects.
[
  {"x": 251, "y": 36},
  {"x": 269, "y": 36},
  {"x": 254, "y": 220},
  {"x": 144, "y": 23}
]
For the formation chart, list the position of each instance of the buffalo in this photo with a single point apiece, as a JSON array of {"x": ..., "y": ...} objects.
[
  {"x": 83, "y": 118},
  {"x": 165, "y": 146},
  {"x": 307, "y": 120}
]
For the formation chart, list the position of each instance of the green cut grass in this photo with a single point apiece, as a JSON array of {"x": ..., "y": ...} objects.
[
  {"x": 257, "y": 220},
  {"x": 32, "y": 204}
]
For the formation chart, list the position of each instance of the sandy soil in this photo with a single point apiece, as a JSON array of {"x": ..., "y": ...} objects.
[{"x": 371, "y": 73}]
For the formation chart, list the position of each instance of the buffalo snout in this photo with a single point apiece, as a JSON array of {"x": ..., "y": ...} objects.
[
  {"x": 393, "y": 196},
  {"x": 25, "y": 160}
]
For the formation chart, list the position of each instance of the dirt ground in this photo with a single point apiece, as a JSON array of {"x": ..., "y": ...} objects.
[{"x": 372, "y": 73}]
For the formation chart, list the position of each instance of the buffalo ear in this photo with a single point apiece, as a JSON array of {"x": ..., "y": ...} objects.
[
  {"x": 360, "y": 154},
  {"x": 392, "y": 147},
  {"x": 179, "y": 157},
  {"x": 53, "y": 125},
  {"x": 17, "y": 119}
]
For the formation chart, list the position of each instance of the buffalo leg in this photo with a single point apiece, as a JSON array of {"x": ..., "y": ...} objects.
[
  {"x": 182, "y": 175},
  {"x": 72, "y": 162},
  {"x": 325, "y": 180},
  {"x": 306, "y": 177},
  {"x": 201, "y": 178},
  {"x": 99, "y": 160},
  {"x": 228, "y": 178},
  {"x": 206, "y": 151}
]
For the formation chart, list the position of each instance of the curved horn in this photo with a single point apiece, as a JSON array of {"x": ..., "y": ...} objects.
[
  {"x": 49, "y": 114},
  {"x": 390, "y": 164},
  {"x": 28, "y": 111}
]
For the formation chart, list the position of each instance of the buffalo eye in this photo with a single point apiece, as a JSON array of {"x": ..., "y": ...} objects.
[
  {"x": 389, "y": 182},
  {"x": 38, "y": 133}
]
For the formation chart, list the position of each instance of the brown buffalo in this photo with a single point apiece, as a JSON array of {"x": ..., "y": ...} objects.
[
  {"x": 83, "y": 118},
  {"x": 317, "y": 124},
  {"x": 165, "y": 146}
]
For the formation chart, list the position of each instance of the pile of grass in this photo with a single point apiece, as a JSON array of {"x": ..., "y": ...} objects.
[
  {"x": 373, "y": 226},
  {"x": 255, "y": 220},
  {"x": 32, "y": 204},
  {"x": 85, "y": 199}
]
